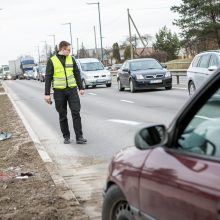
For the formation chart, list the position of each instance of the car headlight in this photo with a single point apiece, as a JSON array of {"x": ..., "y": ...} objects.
[
  {"x": 139, "y": 77},
  {"x": 168, "y": 74}
]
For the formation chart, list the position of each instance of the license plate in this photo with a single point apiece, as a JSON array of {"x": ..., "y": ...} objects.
[
  {"x": 100, "y": 80},
  {"x": 156, "y": 81}
]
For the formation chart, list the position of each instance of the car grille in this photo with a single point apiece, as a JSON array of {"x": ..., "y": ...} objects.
[
  {"x": 155, "y": 76},
  {"x": 99, "y": 76}
]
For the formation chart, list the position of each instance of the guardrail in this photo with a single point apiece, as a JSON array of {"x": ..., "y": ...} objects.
[{"x": 178, "y": 73}]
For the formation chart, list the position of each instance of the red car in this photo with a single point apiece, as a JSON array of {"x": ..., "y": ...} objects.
[{"x": 174, "y": 173}]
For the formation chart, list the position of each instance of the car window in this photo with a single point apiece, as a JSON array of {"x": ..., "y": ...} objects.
[
  {"x": 195, "y": 61},
  {"x": 93, "y": 66},
  {"x": 204, "y": 61},
  {"x": 202, "y": 135},
  {"x": 125, "y": 65},
  {"x": 145, "y": 65},
  {"x": 214, "y": 61},
  {"x": 6, "y": 68}
]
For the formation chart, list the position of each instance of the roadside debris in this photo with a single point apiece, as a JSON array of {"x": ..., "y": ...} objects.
[{"x": 4, "y": 136}]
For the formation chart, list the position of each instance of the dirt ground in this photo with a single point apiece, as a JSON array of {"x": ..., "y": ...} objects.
[{"x": 34, "y": 196}]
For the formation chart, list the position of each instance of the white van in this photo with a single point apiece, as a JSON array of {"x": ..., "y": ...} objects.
[{"x": 93, "y": 73}]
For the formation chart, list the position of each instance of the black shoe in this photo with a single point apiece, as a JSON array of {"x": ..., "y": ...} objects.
[
  {"x": 66, "y": 140},
  {"x": 81, "y": 140}
]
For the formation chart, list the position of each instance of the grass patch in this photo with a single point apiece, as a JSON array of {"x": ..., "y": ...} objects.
[{"x": 179, "y": 63}]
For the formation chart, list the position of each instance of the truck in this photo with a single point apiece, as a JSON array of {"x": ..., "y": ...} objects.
[
  {"x": 21, "y": 65},
  {"x": 5, "y": 73}
]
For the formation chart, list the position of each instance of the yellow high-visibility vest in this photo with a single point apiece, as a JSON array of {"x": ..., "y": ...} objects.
[{"x": 60, "y": 79}]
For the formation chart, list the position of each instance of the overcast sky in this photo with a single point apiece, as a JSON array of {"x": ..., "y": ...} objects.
[{"x": 24, "y": 24}]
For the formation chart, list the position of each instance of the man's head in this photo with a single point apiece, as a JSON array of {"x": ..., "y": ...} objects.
[{"x": 64, "y": 48}]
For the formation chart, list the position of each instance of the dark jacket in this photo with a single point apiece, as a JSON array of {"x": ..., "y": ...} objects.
[{"x": 50, "y": 72}]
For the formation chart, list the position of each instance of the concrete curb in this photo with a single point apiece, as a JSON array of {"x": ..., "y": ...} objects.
[{"x": 51, "y": 167}]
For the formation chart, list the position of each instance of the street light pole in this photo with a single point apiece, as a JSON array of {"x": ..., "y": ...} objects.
[
  {"x": 100, "y": 27},
  {"x": 38, "y": 51},
  {"x": 45, "y": 48},
  {"x": 70, "y": 34},
  {"x": 54, "y": 44}
]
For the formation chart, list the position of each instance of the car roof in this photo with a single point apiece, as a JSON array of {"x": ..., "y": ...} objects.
[
  {"x": 88, "y": 60},
  {"x": 209, "y": 51},
  {"x": 134, "y": 60}
]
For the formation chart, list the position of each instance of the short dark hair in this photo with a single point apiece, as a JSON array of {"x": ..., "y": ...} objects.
[{"x": 63, "y": 44}]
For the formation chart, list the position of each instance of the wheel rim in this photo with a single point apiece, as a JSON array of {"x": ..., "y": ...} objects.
[
  {"x": 192, "y": 89},
  {"x": 122, "y": 211}
]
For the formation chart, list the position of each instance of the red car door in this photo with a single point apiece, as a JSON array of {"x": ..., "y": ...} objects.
[{"x": 176, "y": 186}]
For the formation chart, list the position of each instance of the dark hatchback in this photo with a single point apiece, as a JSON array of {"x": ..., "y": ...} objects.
[
  {"x": 145, "y": 73},
  {"x": 171, "y": 173}
]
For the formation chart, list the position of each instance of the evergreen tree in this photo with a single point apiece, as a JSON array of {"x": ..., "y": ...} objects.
[
  {"x": 83, "y": 52},
  {"x": 167, "y": 42},
  {"x": 116, "y": 53},
  {"x": 199, "y": 20},
  {"x": 127, "y": 53}
]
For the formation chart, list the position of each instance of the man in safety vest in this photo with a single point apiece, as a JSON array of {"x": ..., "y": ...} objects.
[{"x": 62, "y": 72}]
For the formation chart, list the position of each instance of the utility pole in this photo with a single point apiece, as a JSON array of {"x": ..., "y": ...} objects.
[
  {"x": 129, "y": 26},
  {"x": 137, "y": 31},
  {"x": 100, "y": 27},
  {"x": 70, "y": 34},
  {"x": 95, "y": 43}
]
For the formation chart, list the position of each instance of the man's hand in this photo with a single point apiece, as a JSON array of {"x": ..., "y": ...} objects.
[
  {"x": 47, "y": 99},
  {"x": 81, "y": 92}
]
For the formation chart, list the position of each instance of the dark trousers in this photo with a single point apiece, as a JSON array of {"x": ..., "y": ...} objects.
[{"x": 70, "y": 96}]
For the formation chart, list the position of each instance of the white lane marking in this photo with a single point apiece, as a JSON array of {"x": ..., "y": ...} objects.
[
  {"x": 126, "y": 101},
  {"x": 125, "y": 122},
  {"x": 92, "y": 93}
]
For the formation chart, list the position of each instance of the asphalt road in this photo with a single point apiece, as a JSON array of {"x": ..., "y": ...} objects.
[{"x": 110, "y": 119}]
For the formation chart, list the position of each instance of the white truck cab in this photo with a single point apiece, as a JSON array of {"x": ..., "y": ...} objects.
[{"x": 93, "y": 73}]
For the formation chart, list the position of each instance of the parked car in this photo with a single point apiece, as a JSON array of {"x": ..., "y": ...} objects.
[
  {"x": 171, "y": 173},
  {"x": 201, "y": 67},
  {"x": 146, "y": 73},
  {"x": 93, "y": 73}
]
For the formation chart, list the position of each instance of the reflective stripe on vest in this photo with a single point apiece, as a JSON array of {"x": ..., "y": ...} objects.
[{"x": 59, "y": 77}]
